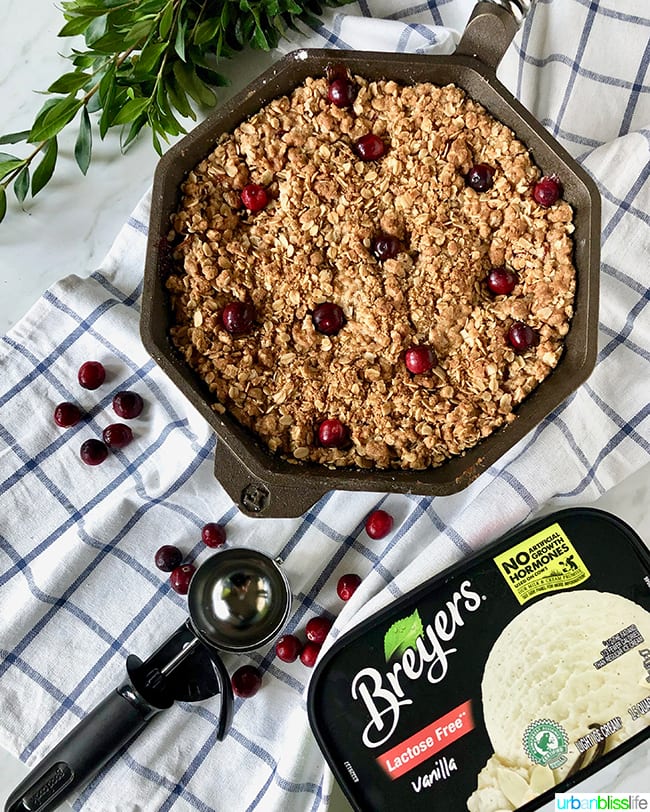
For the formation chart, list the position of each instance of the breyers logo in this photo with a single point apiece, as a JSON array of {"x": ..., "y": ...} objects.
[{"x": 413, "y": 651}]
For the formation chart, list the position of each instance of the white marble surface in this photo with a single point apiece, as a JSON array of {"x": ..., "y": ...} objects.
[{"x": 71, "y": 225}]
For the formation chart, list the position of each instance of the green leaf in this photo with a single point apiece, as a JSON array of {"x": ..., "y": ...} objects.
[
  {"x": 95, "y": 30},
  {"x": 84, "y": 144},
  {"x": 3, "y": 203},
  {"x": 14, "y": 138},
  {"x": 94, "y": 104},
  {"x": 139, "y": 32},
  {"x": 120, "y": 19},
  {"x": 21, "y": 184},
  {"x": 259, "y": 40},
  {"x": 179, "y": 43},
  {"x": 55, "y": 119},
  {"x": 180, "y": 101},
  {"x": 45, "y": 169},
  {"x": 151, "y": 8},
  {"x": 165, "y": 24},
  {"x": 8, "y": 163},
  {"x": 69, "y": 82},
  {"x": 192, "y": 85},
  {"x": 115, "y": 99},
  {"x": 48, "y": 104},
  {"x": 110, "y": 44},
  {"x": 209, "y": 75},
  {"x": 149, "y": 58},
  {"x": 106, "y": 83},
  {"x": 165, "y": 122},
  {"x": 131, "y": 110},
  {"x": 206, "y": 31},
  {"x": 91, "y": 7},
  {"x": 156, "y": 142},
  {"x": 171, "y": 123},
  {"x": 133, "y": 131},
  {"x": 83, "y": 59},
  {"x": 402, "y": 634},
  {"x": 75, "y": 26}
]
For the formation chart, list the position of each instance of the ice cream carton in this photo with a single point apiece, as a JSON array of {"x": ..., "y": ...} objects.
[{"x": 508, "y": 678}]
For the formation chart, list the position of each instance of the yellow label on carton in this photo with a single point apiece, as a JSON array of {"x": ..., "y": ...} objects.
[{"x": 542, "y": 563}]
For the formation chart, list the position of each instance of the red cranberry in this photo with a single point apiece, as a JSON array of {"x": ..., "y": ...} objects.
[
  {"x": 347, "y": 586},
  {"x": 317, "y": 629},
  {"x": 328, "y": 318},
  {"x": 333, "y": 434},
  {"x": 127, "y": 405},
  {"x": 213, "y": 534},
  {"x": 168, "y": 557},
  {"x": 254, "y": 196},
  {"x": 309, "y": 654},
  {"x": 548, "y": 190},
  {"x": 420, "y": 359},
  {"x": 238, "y": 317},
  {"x": 342, "y": 92},
  {"x": 379, "y": 524},
  {"x": 369, "y": 147},
  {"x": 336, "y": 71},
  {"x": 67, "y": 414},
  {"x": 117, "y": 435},
  {"x": 522, "y": 337},
  {"x": 480, "y": 177},
  {"x": 91, "y": 374},
  {"x": 93, "y": 452},
  {"x": 386, "y": 247},
  {"x": 288, "y": 648},
  {"x": 181, "y": 577},
  {"x": 246, "y": 681},
  {"x": 501, "y": 281}
]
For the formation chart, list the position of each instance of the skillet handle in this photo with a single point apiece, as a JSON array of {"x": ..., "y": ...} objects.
[
  {"x": 491, "y": 28},
  {"x": 260, "y": 499}
]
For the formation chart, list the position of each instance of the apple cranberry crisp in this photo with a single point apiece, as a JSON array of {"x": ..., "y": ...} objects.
[{"x": 371, "y": 275}]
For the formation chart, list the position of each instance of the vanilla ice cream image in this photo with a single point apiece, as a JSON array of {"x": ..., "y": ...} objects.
[{"x": 566, "y": 681}]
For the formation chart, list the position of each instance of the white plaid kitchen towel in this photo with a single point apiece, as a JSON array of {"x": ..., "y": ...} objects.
[{"x": 78, "y": 587}]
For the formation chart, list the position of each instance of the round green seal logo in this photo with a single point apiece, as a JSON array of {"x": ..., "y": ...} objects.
[{"x": 546, "y": 743}]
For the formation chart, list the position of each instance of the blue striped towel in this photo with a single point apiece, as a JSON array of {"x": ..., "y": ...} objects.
[{"x": 78, "y": 586}]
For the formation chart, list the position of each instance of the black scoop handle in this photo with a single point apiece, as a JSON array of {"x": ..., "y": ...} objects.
[{"x": 82, "y": 753}]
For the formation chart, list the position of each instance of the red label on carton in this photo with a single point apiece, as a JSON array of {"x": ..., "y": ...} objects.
[{"x": 427, "y": 742}]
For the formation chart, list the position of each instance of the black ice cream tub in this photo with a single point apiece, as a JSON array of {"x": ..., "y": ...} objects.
[{"x": 504, "y": 680}]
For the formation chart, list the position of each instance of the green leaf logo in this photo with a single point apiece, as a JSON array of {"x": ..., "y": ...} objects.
[{"x": 402, "y": 635}]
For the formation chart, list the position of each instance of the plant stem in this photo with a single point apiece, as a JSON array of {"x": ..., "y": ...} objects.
[
  {"x": 26, "y": 162},
  {"x": 85, "y": 99}
]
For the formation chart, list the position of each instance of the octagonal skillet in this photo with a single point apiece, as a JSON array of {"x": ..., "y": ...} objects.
[{"x": 262, "y": 484}]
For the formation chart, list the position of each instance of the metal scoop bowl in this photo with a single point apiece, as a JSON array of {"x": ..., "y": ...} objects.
[{"x": 238, "y": 600}]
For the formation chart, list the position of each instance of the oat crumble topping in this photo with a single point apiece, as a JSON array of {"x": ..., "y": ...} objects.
[{"x": 312, "y": 244}]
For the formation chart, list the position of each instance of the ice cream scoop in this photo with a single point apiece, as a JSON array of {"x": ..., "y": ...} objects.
[{"x": 239, "y": 600}]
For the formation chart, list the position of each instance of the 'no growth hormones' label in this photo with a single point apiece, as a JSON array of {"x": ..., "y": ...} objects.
[{"x": 542, "y": 563}]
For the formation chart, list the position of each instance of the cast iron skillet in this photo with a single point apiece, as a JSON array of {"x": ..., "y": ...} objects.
[{"x": 265, "y": 485}]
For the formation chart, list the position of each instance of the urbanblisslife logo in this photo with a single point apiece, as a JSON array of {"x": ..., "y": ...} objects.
[
  {"x": 413, "y": 651},
  {"x": 602, "y": 801}
]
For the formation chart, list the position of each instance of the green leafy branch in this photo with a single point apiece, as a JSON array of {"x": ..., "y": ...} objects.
[{"x": 146, "y": 64}]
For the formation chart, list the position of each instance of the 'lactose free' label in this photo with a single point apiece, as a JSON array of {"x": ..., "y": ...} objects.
[{"x": 542, "y": 563}]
